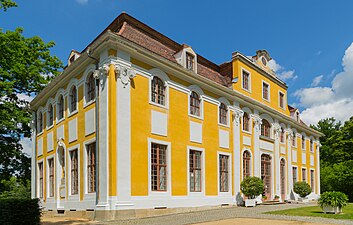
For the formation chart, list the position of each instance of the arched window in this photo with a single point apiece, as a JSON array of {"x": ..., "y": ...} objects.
[
  {"x": 303, "y": 141},
  {"x": 265, "y": 128},
  {"x": 40, "y": 122},
  {"x": 282, "y": 135},
  {"x": 246, "y": 122},
  {"x": 294, "y": 139},
  {"x": 194, "y": 104},
  {"x": 50, "y": 115},
  {"x": 158, "y": 91},
  {"x": 223, "y": 114},
  {"x": 61, "y": 107},
  {"x": 246, "y": 164},
  {"x": 90, "y": 88},
  {"x": 73, "y": 99},
  {"x": 311, "y": 145}
]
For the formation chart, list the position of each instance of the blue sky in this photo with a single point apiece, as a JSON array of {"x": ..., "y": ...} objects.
[{"x": 307, "y": 39}]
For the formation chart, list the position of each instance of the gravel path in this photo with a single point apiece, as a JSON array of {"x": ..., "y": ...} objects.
[{"x": 227, "y": 213}]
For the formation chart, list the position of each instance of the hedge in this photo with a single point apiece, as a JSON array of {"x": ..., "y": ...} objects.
[{"x": 16, "y": 211}]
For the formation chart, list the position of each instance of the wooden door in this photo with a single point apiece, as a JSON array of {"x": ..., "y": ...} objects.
[{"x": 266, "y": 174}]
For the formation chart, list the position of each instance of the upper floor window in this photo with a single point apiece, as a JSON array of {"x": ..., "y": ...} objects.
[
  {"x": 50, "y": 115},
  {"x": 158, "y": 91},
  {"x": 61, "y": 107},
  {"x": 265, "y": 128},
  {"x": 246, "y": 80},
  {"x": 265, "y": 91},
  {"x": 190, "y": 61},
  {"x": 73, "y": 99},
  {"x": 297, "y": 116},
  {"x": 303, "y": 174},
  {"x": 311, "y": 146},
  {"x": 158, "y": 167},
  {"x": 223, "y": 114},
  {"x": 194, "y": 104},
  {"x": 40, "y": 122},
  {"x": 246, "y": 122},
  {"x": 281, "y": 100},
  {"x": 90, "y": 88},
  {"x": 294, "y": 140},
  {"x": 282, "y": 135},
  {"x": 303, "y": 142},
  {"x": 246, "y": 164}
]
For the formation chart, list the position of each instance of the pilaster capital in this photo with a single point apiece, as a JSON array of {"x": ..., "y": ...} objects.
[
  {"x": 237, "y": 115},
  {"x": 124, "y": 73},
  {"x": 277, "y": 129},
  {"x": 257, "y": 121},
  {"x": 290, "y": 134}
]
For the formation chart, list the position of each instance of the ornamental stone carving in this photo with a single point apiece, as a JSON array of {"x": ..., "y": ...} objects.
[
  {"x": 290, "y": 134},
  {"x": 237, "y": 115},
  {"x": 125, "y": 74},
  {"x": 257, "y": 122},
  {"x": 277, "y": 129}
]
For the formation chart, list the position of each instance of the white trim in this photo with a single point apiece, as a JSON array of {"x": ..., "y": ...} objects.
[
  {"x": 197, "y": 90},
  {"x": 72, "y": 84},
  {"x": 89, "y": 69},
  {"x": 241, "y": 80},
  {"x": 230, "y": 185},
  {"x": 269, "y": 91},
  {"x": 242, "y": 164},
  {"x": 227, "y": 104},
  {"x": 169, "y": 169},
  {"x": 203, "y": 176},
  {"x": 164, "y": 77},
  {"x": 284, "y": 100},
  {"x": 86, "y": 195},
  {"x": 70, "y": 195},
  {"x": 40, "y": 111}
]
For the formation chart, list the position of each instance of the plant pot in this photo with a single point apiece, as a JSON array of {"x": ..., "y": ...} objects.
[
  {"x": 331, "y": 209},
  {"x": 304, "y": 200},
  {"x": 250, "y": 202}
]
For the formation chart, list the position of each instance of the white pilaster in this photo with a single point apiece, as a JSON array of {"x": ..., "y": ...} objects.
[
  {"x": 33, "y": 159},
  {"x": 238, "y": 114},
  {"x": 289, "y": 163},
  {"x": 317, "y": 169},
  {"x": 276, "y": 160},
  {"x": 124, "y": 74},
  {"x": 257, "y": 157},
  {"x": 103, "y": 150}
]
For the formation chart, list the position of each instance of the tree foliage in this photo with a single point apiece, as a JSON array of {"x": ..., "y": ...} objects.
[
  {"x": 26, "y": 66},
  {"x": 336, "y": 156},
  {"x": 302, "y": 188}
]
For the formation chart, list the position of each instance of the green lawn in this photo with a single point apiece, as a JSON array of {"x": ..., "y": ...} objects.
[{"x": 317, "y": 211}]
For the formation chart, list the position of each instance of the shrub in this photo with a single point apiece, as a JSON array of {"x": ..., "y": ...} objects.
[
  {"x": 333, "y": 198},
  {"x": 303, "y": 189},
  {"x": 17, "y": 211},
  {"x": 252, "y": 187}
]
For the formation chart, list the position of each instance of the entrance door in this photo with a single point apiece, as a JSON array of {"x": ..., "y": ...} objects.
[
  {"x": 283, "y": 179},
  {"x": 266, "y": 174}
]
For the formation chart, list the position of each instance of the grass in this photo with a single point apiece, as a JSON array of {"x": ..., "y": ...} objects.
[{"x": 316, "y": 211}]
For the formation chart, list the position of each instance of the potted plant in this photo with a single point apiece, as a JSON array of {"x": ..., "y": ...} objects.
[
  {"x": 333, "y": 201},
  {"x": 251, "y": 187},
  {"x": 276, "y": 197},
  {"x": 264, "y": 198},
  {"x": 303, "y": 189}
]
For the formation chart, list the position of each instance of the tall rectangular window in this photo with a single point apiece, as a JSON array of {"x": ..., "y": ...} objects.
[
  {"x": 311, "y": 146},
  {"x": 223, "y": 173},
  {"x": 195, "y": 170},
  {"x": 246, "y": 80},
  {"x": 51, "y": 177},
  {"x": 303, "y": 142},
  {"x": 303, "y": 174},
  {"x": 158, "y": 167},
  {"x": 295, "y": 174},
  {"x": 40, "y": 169},
  {"x": 190, "y": 61},
  {"x": 281, "y": 100},
  {"x": 294, "y": 141},
  {"x": 74, "y": 171},
  {"x": 91, "y": 167},
  {"x": 312, "y": 180},
  {"x": 265, "y": 91}
]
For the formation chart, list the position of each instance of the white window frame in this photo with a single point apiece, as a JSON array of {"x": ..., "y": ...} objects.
[
  {"x": 163, "y": 76},
  {"x": 70, "y": 112},
  {"x": 246, "y": 110},
  {"x": 203, "y": 176},
  {"x": 44, "y": 178},
  {"x": 242, "y": 164},
  {"x": 74, "y": 196},
  {"x": 87, "y": 195},
  {"x": 201, "y": 95},
  {"x": 285, "y": 138},
  {"x": 57, "y": 108},
  {"x": 168, "y": 192},
  {"x": 279, "y": 100},
  {"x": 90, "y": 69},
  {"x": 306, "y": 173},
  {"x": 53, "y": 103},
  {"x": 248, "y": 72},
  {"x": 296, "y": 173},
  {"x": 295, "y": 140},
  {"x": 269, "y": 91},
  {"x": 47, "y": 177},
  {"x": 313, "y": 189},
  {"x": 227, "y": 104},
  {"x": 40, "y": 111},
  {"x": 229, "y": 192},
  {"x": 305, "y": 139}
]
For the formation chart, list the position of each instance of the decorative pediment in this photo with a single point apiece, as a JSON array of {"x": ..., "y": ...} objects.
[{"x": 73, "y": 56}]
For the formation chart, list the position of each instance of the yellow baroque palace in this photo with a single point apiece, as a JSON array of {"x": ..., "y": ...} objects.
[{"x": 138, "y": 121}]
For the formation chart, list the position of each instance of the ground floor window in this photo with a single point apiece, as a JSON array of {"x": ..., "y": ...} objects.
[
  {"x": 223, "y": 173},
  {"x": 74, "y": 171},
  {"x": 91, "y": 167},
  {"x": 195, "y": 170},
  {"x": 51, "y": 177},
  {"x": 40, "y": 169},
  {"x": 246, "y": 164},
  {"x": 312, "y": 180},
  {"x": 158, "y": 167},
  {"x": 303, "y": 174},
  {"x": 295, "y": 174}
]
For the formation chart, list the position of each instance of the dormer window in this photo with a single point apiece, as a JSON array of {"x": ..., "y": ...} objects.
[
  {"x": 190, "y": 61},
  {"x": 297, "y": 116}
]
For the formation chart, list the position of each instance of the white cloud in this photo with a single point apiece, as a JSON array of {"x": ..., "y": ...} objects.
[
  {"x": 335, "y": 101},
  {"x": 25, "y": 97},
  {"x": 82, "y": 2},
  {"x": 26, "y": 145},
  {"x": 281, "y": 72},
  {"x": 317, "y": 80}
]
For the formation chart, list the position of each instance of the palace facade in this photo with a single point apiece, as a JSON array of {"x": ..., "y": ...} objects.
[{"x": 139, "y": 121}]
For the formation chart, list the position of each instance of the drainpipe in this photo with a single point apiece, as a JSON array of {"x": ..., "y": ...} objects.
[{"x": 96, "y": 76}]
